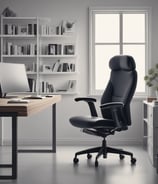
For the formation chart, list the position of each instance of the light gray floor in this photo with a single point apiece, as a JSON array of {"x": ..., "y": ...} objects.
[{"x": 47, "y": 168}]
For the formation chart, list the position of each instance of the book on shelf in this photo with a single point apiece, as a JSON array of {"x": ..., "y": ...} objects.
[
  {"x": 46, "y": 87},
  {"x": 64, "y": 27},
  {"x": 60, "y": 28},
  {"x": 58, "y": 66},
  {"x": 72, "y": 67},
  {"x": 68, "y": 67},
  {"x": 17, "y": 29},
  {"x": 51, "y": 49},
  {"x": 71, "y": 85},
  {"x": 22, "y": 30},
  {"x": 15, "y": 49},
  {"x": 54, "y": 49},
  {"x": 47, "y": 29},
  {"x": 65, "y": 67},
  {"x": 32, "y": 84}
]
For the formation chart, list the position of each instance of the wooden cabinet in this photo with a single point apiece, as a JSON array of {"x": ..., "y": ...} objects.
[{"x": 150, "y": 121}]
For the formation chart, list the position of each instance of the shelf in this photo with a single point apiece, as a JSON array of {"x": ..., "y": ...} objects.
[
  {"x": 12, "y": 56},
  {"x": 57, "y": 56},
  {"x": 61, "y": 93},
  {"x": 56, "y": 36},
  {"x": 18, "y": 36},
  {"x": 31, "y": 73},
  {"x": 19, "y": 18},
  {"x": 57, "y": 73}
]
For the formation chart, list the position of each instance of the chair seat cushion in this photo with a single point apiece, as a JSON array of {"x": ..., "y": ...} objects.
[{"x": 91, "y": 122}]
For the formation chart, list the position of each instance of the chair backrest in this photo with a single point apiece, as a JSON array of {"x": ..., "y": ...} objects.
[{"x": 121, "y": 85}]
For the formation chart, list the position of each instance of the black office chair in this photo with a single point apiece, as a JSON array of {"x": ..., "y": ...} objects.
[{"x": 115, "y": 108}]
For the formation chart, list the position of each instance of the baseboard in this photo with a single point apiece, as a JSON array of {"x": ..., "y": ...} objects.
[
  {"x": 30, "y": 142},
  {"x": 74, "y": 142},
  {"x": 90, "y": 142}
]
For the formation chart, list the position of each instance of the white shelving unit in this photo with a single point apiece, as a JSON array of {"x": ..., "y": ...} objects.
[
  {"x": 150, "y": 124},
  {"x": 48, "y": 52}
]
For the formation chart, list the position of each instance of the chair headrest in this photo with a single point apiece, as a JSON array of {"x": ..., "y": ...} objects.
[{"x": 122, "y": 62}]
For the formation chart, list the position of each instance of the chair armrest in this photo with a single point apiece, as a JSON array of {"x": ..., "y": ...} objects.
[
  {"x": 90, "y": 102},
  {"x": 117, "y": 112},
  {"x": 86, "y": 99},
  {"x": 112, "y": 105}
]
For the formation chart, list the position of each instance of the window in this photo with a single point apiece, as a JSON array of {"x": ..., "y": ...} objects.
[{"x": 114, "y": 32}]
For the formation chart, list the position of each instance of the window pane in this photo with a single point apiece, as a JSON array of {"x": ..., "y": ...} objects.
[
  {"x": 138, "y": 53},
  {"x": 133, "y": 28},
  {"x": 103, "y": 53},
  {"x": 106, "y": 28}
]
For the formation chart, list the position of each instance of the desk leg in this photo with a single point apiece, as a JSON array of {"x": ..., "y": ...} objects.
[
  {"x": 14, "y": 147},
  {"x": 13, "y": 165},
  {"x": 54, "y": 128},
  {"x": 53, "y": 146}
]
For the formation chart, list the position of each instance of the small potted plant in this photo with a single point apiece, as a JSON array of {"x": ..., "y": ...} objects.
[
  {"x": 68, "y": 26},
  {"x": 151, "y": 79}
]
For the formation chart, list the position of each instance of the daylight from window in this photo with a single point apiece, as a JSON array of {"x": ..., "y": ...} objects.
[{"x": 118, "y": 33}]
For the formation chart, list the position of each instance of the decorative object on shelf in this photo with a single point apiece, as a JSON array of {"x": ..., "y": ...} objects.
[
  {"x": 152, "y": 79},
  {"x": 8, "y": 13},
  {"x": 46, "y": 68},
  {"x": 70, "y": 86},
  {"x": 151, "y": 99},
  {"x": 68, "y": 26},
  {"x": 69, "y": 49}
]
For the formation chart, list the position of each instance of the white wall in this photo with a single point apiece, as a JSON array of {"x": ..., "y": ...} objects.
[{"x": 36, "y": 128}]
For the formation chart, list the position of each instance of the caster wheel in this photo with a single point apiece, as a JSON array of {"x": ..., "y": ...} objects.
[
  {"x": 75, "y": 160},
  {"x": 89, "y": 156},
  {"x": 96, "y": 163},
  {"x": 122, "y": 157},
  {"x": 133, "y": 161}
]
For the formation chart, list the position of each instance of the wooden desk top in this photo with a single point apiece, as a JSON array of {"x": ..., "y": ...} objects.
[{"x": 33, "y": 106}]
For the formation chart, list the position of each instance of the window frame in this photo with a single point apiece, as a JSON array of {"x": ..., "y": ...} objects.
[{"x": 95, "y": 10}]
